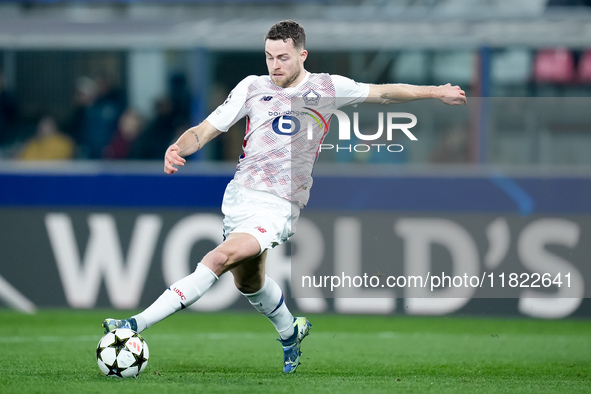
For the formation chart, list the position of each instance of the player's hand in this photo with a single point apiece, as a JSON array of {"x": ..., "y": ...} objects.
[
  {"x": 452, "y": 95},
  {"x": 172, "y": 158}
]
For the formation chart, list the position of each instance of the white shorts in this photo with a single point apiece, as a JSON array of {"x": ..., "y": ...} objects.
[{"x": 265, "y": 216}]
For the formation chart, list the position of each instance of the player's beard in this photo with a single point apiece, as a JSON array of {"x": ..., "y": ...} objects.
[{"x": 289, "y": 80}]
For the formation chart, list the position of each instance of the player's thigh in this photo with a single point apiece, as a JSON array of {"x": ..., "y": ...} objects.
[
  {"x": 240, "y": 246},
  {"x": 237, "y": 248}
]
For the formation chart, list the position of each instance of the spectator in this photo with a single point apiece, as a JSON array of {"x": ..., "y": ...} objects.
[
  {"x": 84, "y": 97},
  {"x": 48, "y": 143},
  {"x": 159, "y": 132},
  {"x": 129, "y": 128},
  {"x": 8, "y": 112},
  {"x": 180, "y": 98},
  {"x": 99, "y": 120}
]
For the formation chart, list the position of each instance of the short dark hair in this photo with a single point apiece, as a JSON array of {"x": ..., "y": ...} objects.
[{"x": 288, "y": 29}]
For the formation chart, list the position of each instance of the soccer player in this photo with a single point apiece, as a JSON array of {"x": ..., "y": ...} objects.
[{"x": 261, "y": 205}]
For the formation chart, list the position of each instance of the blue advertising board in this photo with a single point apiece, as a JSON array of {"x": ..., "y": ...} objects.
[{"x": 70, "y": 238}]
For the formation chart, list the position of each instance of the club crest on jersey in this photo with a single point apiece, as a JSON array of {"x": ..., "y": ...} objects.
[{"x": 311, "y": 97}]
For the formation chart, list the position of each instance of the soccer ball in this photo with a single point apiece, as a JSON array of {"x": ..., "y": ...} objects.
[{"x": 122, "y": 353}]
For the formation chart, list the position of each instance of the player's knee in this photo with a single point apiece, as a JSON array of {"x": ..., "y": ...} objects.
[
  {"x": 237, "y": 253},
  {"x": 230, "y": 254},
  {"x": 216, "y": 261},
  {"x": 221, "y": 260}
]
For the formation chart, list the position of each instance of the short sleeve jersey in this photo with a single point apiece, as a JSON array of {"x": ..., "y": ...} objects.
[{"x": 279, "y": 151}]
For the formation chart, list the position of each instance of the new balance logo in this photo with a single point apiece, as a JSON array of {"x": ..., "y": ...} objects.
[
  {"x": 262, "y": 230},
  {"x": 266, "y": 98}
]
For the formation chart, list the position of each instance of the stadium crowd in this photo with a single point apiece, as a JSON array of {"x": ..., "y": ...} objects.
[{"x": 100, "y": 125}]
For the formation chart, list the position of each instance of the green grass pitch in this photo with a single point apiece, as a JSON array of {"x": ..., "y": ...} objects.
[{"x": 53, "y": 351}]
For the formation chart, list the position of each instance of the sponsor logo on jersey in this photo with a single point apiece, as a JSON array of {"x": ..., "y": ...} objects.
[
  {"x": 266, "y": 98},
  {"x": 286, "y": 125},
  {"x": 261, "y": 229},
  {"x": 289, "y": 124}
]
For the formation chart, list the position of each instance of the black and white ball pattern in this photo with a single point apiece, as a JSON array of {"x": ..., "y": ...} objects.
[{"x": 122, "y": 353}]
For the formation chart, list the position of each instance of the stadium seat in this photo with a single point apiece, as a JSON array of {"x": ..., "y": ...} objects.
[
  {"x": 411, "y": 67},
  {"x": 511, "y": 66},
  {"x": 554, "y": 66},
  {"x": 454, "y": 66},
  {"x": 584, "y": 70}
]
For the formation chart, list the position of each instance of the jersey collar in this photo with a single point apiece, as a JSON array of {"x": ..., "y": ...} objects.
[{"x": 299, "y": 84}]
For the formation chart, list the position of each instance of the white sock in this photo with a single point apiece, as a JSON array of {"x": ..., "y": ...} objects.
[
  {"x": 178, "y": 296},
  {"x": 269, "y": 301}
]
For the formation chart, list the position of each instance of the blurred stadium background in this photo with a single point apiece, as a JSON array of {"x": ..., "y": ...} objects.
[{"x": 92, "y": 93}]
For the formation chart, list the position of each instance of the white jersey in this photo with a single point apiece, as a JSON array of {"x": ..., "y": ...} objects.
[{"x": 278, "y": 155}]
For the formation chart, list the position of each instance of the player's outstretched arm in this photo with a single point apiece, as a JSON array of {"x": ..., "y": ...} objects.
[
  {"x": 401, "y": 93},
  {"x": 188, "y": 143}
]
